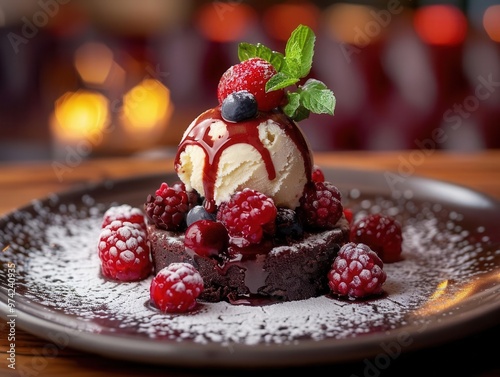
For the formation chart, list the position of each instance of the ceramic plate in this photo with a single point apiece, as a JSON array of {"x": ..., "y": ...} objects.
[{"x": 446, "y": 286}]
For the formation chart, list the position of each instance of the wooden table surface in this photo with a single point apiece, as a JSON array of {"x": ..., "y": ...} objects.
[{"x": 474, "y": 355}]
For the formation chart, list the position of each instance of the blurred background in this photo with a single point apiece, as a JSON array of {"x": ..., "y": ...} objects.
[{"x": 93, "y": 78}]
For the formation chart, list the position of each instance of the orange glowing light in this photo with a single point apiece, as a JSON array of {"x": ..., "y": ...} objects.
[
  {"x": 146, "y": 108},
  {"x": 440, "y": 24},
  {"x": 491, "y": 22},
  {"x": 225, "y": 21},
  {"x": 281, "y": 19},
  {"x": 347, "y": 23},
  {"x": 80, "y": 115},
  {"x": 93, "y": 61}
]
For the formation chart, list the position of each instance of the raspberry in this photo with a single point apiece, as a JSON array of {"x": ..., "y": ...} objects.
[
  {"x": 123, "y": 212},
  {"x": 320, "y": 205},
  {"x": 382, "y": 233},
  {"x": 206, "y": 238},
  {"x": 317, "y": 174},
  {"x": 357, "y": 272},
  {"x": 124, "y": 251},
  {"x": 251, "y": 75},
  {"x": 248, "y": 215},
  {"x": 168, "y": 208},
  {"x": 348, "y": 215},
  {"x": 176, "y": 287}
]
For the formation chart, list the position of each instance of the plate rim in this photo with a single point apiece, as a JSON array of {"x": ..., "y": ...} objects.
[{"x": 213, "y": 355}]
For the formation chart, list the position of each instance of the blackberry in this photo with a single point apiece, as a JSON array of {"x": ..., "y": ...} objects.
[
  {"x": 288, "y": 224},
  {"x": 167, "y": 209}
]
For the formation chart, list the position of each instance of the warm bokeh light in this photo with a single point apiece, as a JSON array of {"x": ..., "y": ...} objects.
[
  {"x": 491, "y": 22},
  {"x": 132, "y": 17},
  {"x": 347, "y": 23},
  {"x": 225, "y": 21},
  {"x": 440, "y": 24},
  {"x": 80, "y": 115},
  {"x": 146, "y": 108},
  {"x": 93, "y": 61},
  {"x": 281, "y": 19}
]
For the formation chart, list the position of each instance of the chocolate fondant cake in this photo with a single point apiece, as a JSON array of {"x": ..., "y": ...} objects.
[{"x": 288, "y": 271}]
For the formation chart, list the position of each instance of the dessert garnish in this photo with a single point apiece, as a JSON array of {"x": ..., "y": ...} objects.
[
  {"x": 168, "y": 207},
  {"x": 357, "y": 272},
  {"x": 175, "y": 288},
  {"x": 291, "y": 67},
  {"x": 123, "y": 246},
  {"x": 382, "y": 233}
]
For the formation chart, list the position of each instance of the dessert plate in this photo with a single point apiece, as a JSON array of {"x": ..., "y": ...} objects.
[{"x": 447, "y": 285}]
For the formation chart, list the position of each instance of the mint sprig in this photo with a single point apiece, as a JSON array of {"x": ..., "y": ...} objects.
[{"x": 295, "y": 64}]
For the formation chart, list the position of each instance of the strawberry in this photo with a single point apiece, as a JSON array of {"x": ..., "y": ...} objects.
[{"x": 251, "y": 75}]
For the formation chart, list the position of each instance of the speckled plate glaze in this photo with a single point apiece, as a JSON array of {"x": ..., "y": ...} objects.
[{"x": 447, "y": 285}]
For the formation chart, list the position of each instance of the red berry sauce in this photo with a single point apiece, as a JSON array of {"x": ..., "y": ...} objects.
[{"x": 242, "y": 132}]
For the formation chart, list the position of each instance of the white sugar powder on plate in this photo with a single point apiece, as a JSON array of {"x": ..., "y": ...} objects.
[{"x": 56, "y": 254}]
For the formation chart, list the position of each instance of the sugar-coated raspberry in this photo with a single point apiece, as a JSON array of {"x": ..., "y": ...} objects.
[
  {"x": 251, "y": 75},
  {"x": 168, "y": 208},
  {"x": 320, "y": 205},
  {"x": 381, "y": 233},
  {"x": 247, "y": 216},
  {"x": 123, "y": 212},
  {"x": 317, "y": 174},
  {"x": 176, "y": 287},
  {"x": 207, "y": 238},
  {"x": 124, "y": 251},
  {"x": 357, "y": 272}
]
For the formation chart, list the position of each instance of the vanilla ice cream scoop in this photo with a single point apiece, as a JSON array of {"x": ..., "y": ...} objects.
[{"x": 267, "y": 153}]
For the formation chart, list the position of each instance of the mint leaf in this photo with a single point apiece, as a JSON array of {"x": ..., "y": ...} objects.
[
  {"x": 248, "y": 51},
  {"x": 292, "y": 66},
  {"x": 294, "y": 108},
  {"x": 299, "y": 51},
  {"x": 292, "y": 105},
  {"x": 301, "y": 114},
  {"x": 280, "y": 81},
  {"x": 316, "y": 97}
]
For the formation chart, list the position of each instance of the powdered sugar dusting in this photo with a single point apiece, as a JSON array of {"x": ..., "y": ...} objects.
[{"x": 54, "y": 247}]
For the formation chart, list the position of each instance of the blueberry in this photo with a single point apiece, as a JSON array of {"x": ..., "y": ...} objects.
[
  {"x": 239, "y": 106},
  {"x": 198, "y": 213}
]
